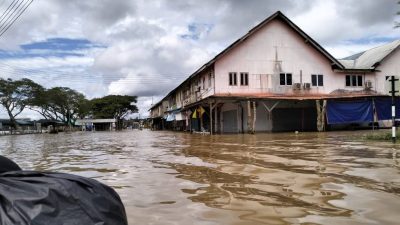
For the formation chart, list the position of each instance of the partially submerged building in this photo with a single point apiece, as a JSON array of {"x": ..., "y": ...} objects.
[
  {"x": 96, "y": 124},
  {"x": 24, "y": 126},
  {"x": 277, "y": 78}
]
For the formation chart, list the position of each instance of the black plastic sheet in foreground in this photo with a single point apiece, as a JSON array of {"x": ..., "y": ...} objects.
[{"x": 36, "y": 198}]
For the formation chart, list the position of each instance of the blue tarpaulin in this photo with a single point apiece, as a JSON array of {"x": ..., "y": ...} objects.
[
  {"x": 171, "y": 117},
  {"x": 349, "y": 112},
  {"x": 383, "y": 108}
]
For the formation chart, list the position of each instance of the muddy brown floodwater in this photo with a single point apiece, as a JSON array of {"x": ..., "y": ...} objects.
[{"x": 178, "y": 178}]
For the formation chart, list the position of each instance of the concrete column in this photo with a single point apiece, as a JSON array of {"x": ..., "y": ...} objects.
[
  {"x": 237, "y": 118},
  {"x": 323, "y": 114},
  {"x": 222, "y": 121},
  {"x": 254, "y": 117},
  {"x": 211, "y": 118},
  {"x": 321, "y": 111},
  {"x": 248, "y": 116},
  {"x": 215, "y": 119},
  {"x": 201, "y": 122}
]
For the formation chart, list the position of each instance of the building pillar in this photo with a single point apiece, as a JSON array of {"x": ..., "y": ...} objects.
[
  {"x": 321, "y": 111},
  {"x": 237, "y": 118},
  {"x": 254, "y": 117},
  {"x": 248, "y": 117},
  {"x": 201, "y": 121},
  {"x": 215, "y": 119},
  {"x": 211, "y": 118},
  {"x": 221, "y": 120}
]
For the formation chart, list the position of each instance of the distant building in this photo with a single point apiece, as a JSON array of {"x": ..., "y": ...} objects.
[
  {"x": 25, "y": 125},
  {"x": 277, "y": 78},
  {"x": 96, "y": 124}
]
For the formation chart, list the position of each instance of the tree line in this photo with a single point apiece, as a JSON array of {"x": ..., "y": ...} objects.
[{"x": 61, "y": 104}]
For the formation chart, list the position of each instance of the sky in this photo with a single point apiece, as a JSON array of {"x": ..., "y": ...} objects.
[{"x": 147, "y": 48}]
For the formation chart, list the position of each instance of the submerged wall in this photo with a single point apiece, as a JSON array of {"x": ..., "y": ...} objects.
[{"x": 286, "y": 116}]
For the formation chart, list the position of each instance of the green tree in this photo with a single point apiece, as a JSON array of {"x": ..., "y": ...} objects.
[
  {"x": 114, "y": 106},
  {"x": 61, "y": 104},
  {"x": 16, "y": 95}
]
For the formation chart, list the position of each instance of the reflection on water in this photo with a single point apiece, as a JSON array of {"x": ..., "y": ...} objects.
[{"x": 177, "y": 178}]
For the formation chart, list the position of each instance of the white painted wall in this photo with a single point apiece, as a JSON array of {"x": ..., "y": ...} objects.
[
  {"x": 389, "y": 67},
  {"x": 206, "y": 87},
  {"x": 256, "y": 55}
]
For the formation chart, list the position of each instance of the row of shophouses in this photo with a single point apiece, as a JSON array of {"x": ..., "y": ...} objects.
[{"x": 277, "y": 78}]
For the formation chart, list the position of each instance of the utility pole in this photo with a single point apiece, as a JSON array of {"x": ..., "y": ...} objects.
[{"x": 393, "y": 92}]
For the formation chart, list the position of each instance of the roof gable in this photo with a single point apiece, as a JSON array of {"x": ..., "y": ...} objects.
[{"x": 278, "y": 15}]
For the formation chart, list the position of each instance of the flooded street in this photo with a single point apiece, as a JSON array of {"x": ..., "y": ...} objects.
[{"x": 178, "y": 178}]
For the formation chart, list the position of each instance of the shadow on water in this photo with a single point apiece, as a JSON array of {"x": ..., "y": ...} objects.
[{"x": 177, "y": 178}]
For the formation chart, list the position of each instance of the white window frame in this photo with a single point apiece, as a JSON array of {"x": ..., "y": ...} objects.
[
  {"x": 286, "y": 79},
  {"x": 232, "y": 79},
  {"x": 351, "y": 76},
  {"x": 244, "y": 79},
  {"x": 317, "y": 79}
]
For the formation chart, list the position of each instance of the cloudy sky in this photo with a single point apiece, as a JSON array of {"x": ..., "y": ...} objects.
[{"x": 146, "y": 48}]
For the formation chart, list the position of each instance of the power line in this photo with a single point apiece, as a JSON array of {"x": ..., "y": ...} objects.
[
  {"x": 12, "y": 15},
  {"x": 5, "y": 13},
  {"x": 10, "y": 24}
]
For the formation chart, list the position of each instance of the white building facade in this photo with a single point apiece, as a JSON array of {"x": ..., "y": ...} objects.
[{"x": 276, "y": 77}]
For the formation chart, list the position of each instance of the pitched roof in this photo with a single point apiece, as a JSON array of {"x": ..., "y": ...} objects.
[
  {"x": 277, "y": 15},
  {"x": 370, "y": 59}
]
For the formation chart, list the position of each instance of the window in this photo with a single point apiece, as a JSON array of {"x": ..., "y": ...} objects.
[
  {"x": 232, "y": 79},
  {"x": 354, "y": 81},
  {"x": 285, "y": 79},
  {"x": 317, "y": 80},
  {"x": 209, "y": 79},
  {"x": 204, "y": 82},
  {"x": 244, "y": 79}
]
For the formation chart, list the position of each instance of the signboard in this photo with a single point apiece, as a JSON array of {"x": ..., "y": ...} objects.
[{"x": 388, "y": 85}]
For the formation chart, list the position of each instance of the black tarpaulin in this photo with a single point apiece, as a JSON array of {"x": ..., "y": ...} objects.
[
  {"x": 7, "y": 165},
  {"x": 35, "y": 198}
]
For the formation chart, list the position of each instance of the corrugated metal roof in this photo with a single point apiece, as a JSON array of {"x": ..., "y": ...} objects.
[
  {"x": 82, "y": 121},
  {"x": 370, "y": 59}
]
